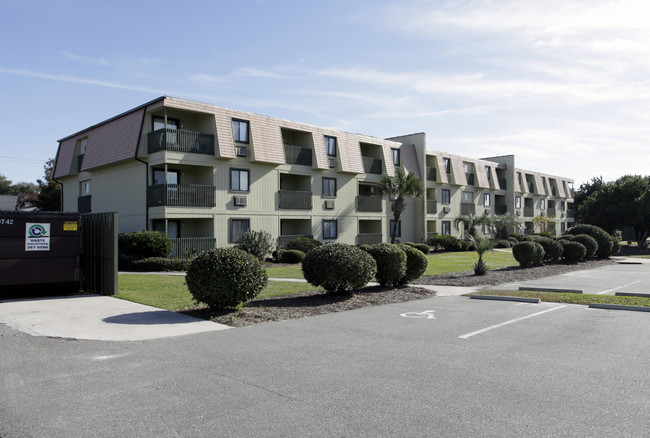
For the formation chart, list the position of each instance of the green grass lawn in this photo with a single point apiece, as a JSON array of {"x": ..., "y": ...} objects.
[
  {"x": 292, "y": 271},
  {"x": 170, "y": 292},
  {"x": 555, "y": 297},
  {"x": 444, "y": 263}
]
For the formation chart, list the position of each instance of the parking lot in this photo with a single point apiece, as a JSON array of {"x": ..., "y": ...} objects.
[{"x": 444, "y": 366}]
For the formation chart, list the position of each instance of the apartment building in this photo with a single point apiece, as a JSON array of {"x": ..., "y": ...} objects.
[{"x": 205, "y": 174}]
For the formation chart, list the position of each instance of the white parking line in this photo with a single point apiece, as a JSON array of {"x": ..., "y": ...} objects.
[
  {"x": 469, "y": 335},
  {"x": 617, "y": 288}
]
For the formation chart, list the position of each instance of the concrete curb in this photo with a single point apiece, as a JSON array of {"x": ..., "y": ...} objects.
[
  {"x": 544, "y": 289},
  {"x": 629, "y": 263},
  {"x": 618, "y": 307},
  {"x": 631, "y": 294},
  {"x": 502, "y": 298}
]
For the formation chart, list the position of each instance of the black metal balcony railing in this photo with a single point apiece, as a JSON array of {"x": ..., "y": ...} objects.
[
  {"x": 372, "y": 165},
  {"x": 297, "y": 155},
  {"x": 369, "y": 203},
  {"x": 432, "y": 206},
  {"x": 531, "y": 188},
  {"x": 188, "y": 247},
  {"x": 500, "y": 209},
  {"x": 295, "y": 200},
  {"x": 467, "y": 208},
  {"x": 369, "y": 238},
  {"x": 181, "y": 195},
  {"x": 503, "y": 184},
  {"x": 286, "y": 238},
  {"x": 553, "y": 191},
  {"x": 180, "y": 140},
  {"x": 470, "y": 179},
  {"x": 551, "y": 211},
  {"x": 83, "y": 204},
  {"x": 529, "y": 211},
  {"x": 431, "y": 173}
]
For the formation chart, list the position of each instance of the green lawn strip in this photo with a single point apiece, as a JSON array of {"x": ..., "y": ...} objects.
[
  {"x": 293, "y": 271},
  {"x": 556, "y": 297},
  {"x": 640, "y": 256},
  {"x": 446, "y": 262},
  {"x": 170, "y": 292}
]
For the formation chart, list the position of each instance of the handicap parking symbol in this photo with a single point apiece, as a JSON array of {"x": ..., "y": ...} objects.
[{"x": 428, "y": 314}]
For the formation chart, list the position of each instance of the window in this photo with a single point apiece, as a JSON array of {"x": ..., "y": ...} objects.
[
  {"x": 446, "y": 196},
  {"x": 562, "y": 227},
  {"x": 84, "y": 188},
  {"x": 468, "y": 168},
  {"x": 519, "y": 178},
  {"x": 238, "y": 227},
  {"x": 83, "y": 145},
  {"x": 488, "y": 172},
  {"x": 173, "y": 228},
  {"x": 330, "y": 146},
  {"x": 398, "y": 230},
  {"x": 486, "y": 199},
  {"x": 468, "y": 198},
  {"x": 517, "y": 201},
  {"x": 240, "y": 130},
  {"x": 330, "y": 229},
  {"x": 239, "y": 180},
  {"x": 544, "y": 182},
  {"x": 447, "y": 163},
  {"x": 562, "y": 205},
  {"x": 159, "y": 176},
  {"x": 159, "y": 123},
  {"x": 542, "y": 204},
  {"x": 395, "y": 153},
  {"x": 446, "y": 227},
  {"x": 329, "y": 187}
]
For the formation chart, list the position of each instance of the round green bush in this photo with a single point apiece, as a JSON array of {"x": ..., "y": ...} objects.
[
  {"x": 572, "y": 252},
  {"x": 257, "y": 243},
  {"x": 338, "y": 267},
  {"x": 304, "y": 244},
  {"x": 364, "y": 246},
  {"x": 589, "y": 243},
  {"x": 422, "y": 247},
  {"x": 512, "y": 241},
  {"x": 225, "y": 277},
  {"x": 293, "y": 256},
  {"x": 528, "y": 253},
  {"x": 518, "y": 236},
  {"x": 391, "y": 263},
  {"x": 552, "y": 248},
  {"x": 277, "y": 255},
  {"x": 445, "y": 243},
  {"x": 502, "y": 243},
  {"x": 416, "y": 264},
  {"x": 603, "y": 239},
  {"x": 144, "y": 244}
]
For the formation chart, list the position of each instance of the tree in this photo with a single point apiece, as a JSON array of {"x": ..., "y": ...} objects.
[
  {"x": 543, "y": 222},
  {"x": 503, "y": 225},
  {"x": 5, "y": 185},
  {"x": 470, "y": 222},
  {"x": 399, "y": 188},
  {"x": 482, "y": 246},
  {"x": 49, "y": 197}
]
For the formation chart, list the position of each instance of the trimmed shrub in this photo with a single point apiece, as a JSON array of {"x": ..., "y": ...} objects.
[
  {"x": 304, "y": 244},
  {"x": 144, "y": 244},
  {"x": 545, "y": 234},
  {"x": 512, "y": 241},
  {"x": 520, "y": 237},
  {"x": 616, "y": 243},
  {"x": 573, "y": 252},
  {"x": 603, "y": 239},
  {"x": 256, "y": 243},
  {"x": 502, "y": 243},
  {"x": 552, "y": 248},
  {"x": 277, "y": 255},
  {"x": 416, "y": 264},
  {"x": 293, "y": 256},
  {"x": 155, "y": 264},
  {"x": 364, "y": 246},
  {"x": 444, "y": 243},
  {"x": 422, "y": 247},
  {"x": 589, "y": 243},
  {"x": 528, "y": 253},
  {"x": 225, "y": 277},
  {"x": 467, "y": 245},
  {"x": 391, "y": 263},
  {"x": 338, "y": 267}
]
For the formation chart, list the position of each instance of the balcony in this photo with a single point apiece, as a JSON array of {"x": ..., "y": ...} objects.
[
  {"x": 529, "y": 211},
  {"x": 467, "y": 208},
  {"x": 431, "y": 173},
  {"x": 503, "y": 184},
  {"x": 369, "y": 203},
  {"x": 295, "y": 200},
  {"x": 286, "y": 238},
  {"x": 570, "y": 213},
  {"x": 432, "y": 206},
  {"x": 83, "y": 204},
  {"x": 369, "y": 238},
  {"x": 180, "y": 140},
  {"x": 470, "y": 179},
  {"x": 180, "y": 195},
  {"x": 297, "y": 155},
  {"x": 551, "y": 211},
  {"x": 188, "y": 247},
  {"x": 372, "y": 165}
]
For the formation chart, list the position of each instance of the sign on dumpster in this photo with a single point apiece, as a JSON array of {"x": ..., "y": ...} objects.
[{"x": 37, "y": 237}]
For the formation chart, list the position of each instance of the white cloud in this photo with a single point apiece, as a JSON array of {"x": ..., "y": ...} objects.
[{"x": 85, "y": 59}]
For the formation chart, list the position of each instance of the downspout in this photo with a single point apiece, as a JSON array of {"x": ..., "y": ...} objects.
[{"x": 146, "y": 171}]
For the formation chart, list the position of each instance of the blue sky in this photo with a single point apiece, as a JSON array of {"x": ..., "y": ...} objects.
[{"x": 563, "y": 85}]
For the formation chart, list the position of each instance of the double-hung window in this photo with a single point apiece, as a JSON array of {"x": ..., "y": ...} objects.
[
  {"x": 517, "y": 201},
  {"x": 542, "y": 204},
  {"x": 330, "y": 146},
  {"x": 396, "y": 157},
  {"x": 238, "y": 228},
  {"x": 330, "y": 229},
  {"x": 239, "y": 180},
  {"x": 329, "y": 187},
  {"x": 447, "y": 162},
  {"x": 240, "y": 130},
  {"x": 446, "y": 228},
  {"x": 85, "y": 188},
  {"x": 446, "y": 196},
  {"x": 486, "y": 199},
  {"x": 488, "y": 171},
  {"x": 468, "y": 198}
]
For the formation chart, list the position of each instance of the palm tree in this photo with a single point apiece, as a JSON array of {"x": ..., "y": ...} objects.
[
  {"x": 398, "y": 188},
  {"x": 470, "y": 222},
  {"x": 482, "y": 245},
  {"x": 503, "y": 225}
]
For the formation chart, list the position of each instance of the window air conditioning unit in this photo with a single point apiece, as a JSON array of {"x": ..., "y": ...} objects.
[
  {"x": 241, "y": 151},
  {"x": 446, "y": 209},
  {"x": 518, "y": 213},
  {"x": 329, "y": 205},
  {"x": 331, "y": 162},
  {"x": 240, "y": 201}
]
